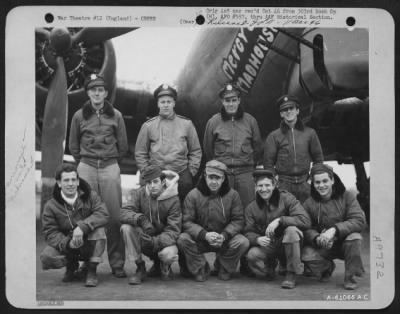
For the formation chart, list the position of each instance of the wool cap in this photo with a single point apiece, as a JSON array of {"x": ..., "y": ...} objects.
[
  {"x": 321, "y": 168},
  {"x": 216, "y": 167},
  {"x": 151, "y": 172}
]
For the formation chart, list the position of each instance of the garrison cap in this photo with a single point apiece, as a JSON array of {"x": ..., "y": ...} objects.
[
  {"x": 229, "y": 88},
  {"x": 151, "y": 172},
  {"x": 286, "y": 101},
  {"x": 165, "y": 90},
  {"x": 261, "y": 172},
  {"x": 215, "y": 167},
  {"x": 321, "y": 168},
  {"x": 95, "y": 80}
]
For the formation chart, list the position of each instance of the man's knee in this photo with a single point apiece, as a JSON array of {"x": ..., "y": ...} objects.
[
  {"x": 184, "y": 240},
  {"x": 52, "y": 258},
  {"x": 310, "y": 254},
  {"x": 239, "y": 242},
  {"x": 127, "y": 229},
  {"x": 352, "y": 244},
  {"x": 98, "y": 234},
  {"x": 353, "y": 236},
  {"x": 292, "y": 234},
  {"x": 254, "y": 254}
]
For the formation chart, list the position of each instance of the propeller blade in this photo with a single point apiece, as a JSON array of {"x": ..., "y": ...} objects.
[
  {"x": 94, "y": 35},
  {"x": 42, "y": 34},
  {"x": 55, "y": 122}
]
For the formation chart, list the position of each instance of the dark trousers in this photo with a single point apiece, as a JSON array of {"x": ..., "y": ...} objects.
[
  {"x": 285, "y": 248},
  {"x": 91, "y": 251},
  {"x": 137, "y": 242},
  {"x": 349, "y": 250},
  {"x": 227, "y": 255}
]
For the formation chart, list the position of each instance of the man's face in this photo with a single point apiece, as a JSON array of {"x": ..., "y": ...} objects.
[
  {"x": 69, "y": 183},
  {"x": 231, "y": 103},
  {"x": 155, "y": 187},
  {"x": 289, "y": 114},
  {"x": 166, "y": 104},
  {"x": 265, "y": 187},
  {"x": 214, "y": 182},
  {"x": 323, "y": 184},
  {"x": 97, "y": 95}
]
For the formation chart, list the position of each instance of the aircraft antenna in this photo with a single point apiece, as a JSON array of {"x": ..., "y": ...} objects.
[{"x": 300, "y": 39}]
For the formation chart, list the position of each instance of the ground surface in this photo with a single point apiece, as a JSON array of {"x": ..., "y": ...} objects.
[{"x": 50, "y": 286}]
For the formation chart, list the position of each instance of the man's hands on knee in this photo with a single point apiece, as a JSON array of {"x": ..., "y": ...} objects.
[
  {"x": 263, "y": 241},
  {"x": 326, "y": 238},
  {"x": 215, "y": 239},
  {"x": 270, "y": 231},
  {"x": 146, "y": 225},
  {"x": 77, "y": 238}
]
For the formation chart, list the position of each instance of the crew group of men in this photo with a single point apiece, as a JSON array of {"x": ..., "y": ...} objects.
[{"x": 235, "y": 210}]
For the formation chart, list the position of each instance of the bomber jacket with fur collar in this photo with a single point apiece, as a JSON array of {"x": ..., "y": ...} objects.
[
  {"x": 205, "y": 212},
  {"x": 259, "y": 214},
  {"x": 341, "y": 211},
  {"x": 98, "y": 136},
  {"x": 235, "y": 141},
  {"x": 59, "y": 219},
  {"x": 291, "y": 151}
]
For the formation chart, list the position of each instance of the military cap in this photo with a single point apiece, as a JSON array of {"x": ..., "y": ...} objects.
[
  {"x": 95, "y": 80},
  {"x": 286, "y": 101},
  {"x": 261, "y": 172},
  {"x": 321, "y": 168},
  {"x": 151, "y": 172},
  {"x": 165, "y": 90},
  {"x": 216, "y": 167},
  {"x": 229, "y": 88}
]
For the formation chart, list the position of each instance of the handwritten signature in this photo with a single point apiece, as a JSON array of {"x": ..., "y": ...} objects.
[
  {"x": 21, "y": 169},
  {"x": 258, "y": 22}
]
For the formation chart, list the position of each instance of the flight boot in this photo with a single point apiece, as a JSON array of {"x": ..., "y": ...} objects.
[
  {"x": 349, "y": 282},
  {"x": 326, "y": 274},
  {"x": 203, "y": 273},
  {"x": 270, "y": 273},
  {"x": 81, "y": 272},
  {"x": 223, "y": 274},
  {"x": 245, "y": 269},
  {"x": 91, "y": 277},
  {"x": 184, "y": 271},
  {"x": 290, "y": 280},
  {"x": 155, "y": 270},
  {"x": 71, "y": 266},
  {"x": 140, "y": 274}
]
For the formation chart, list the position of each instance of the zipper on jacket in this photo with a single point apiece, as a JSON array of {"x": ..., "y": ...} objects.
[
  {"x": 223, "y": 208},
  {"x": 98, "y": 114},
  {"x": 151, "y": 212},
  {"x": 233, "y": 139},
  {"x": 161, "y": 135},
  {"x": 69, "y": 218},
  {"x": 294, "y": 149}
]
